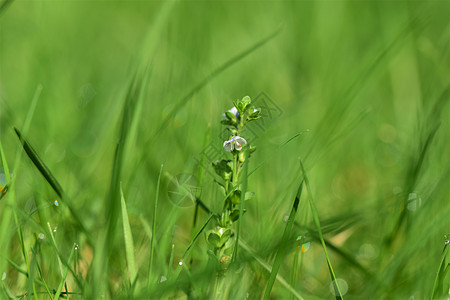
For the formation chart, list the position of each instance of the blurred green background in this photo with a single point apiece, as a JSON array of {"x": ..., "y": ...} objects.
[{"x": 368, "y": 79}]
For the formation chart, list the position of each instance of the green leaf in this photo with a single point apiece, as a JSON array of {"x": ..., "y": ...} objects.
[
  {"x": 223, "y": 168},
  {"x": 235, "y": 197},
  {"x": 218, "y": 237},
  {"x": 227, "y": 122},
  {"x": 243, "y": 104},
  {"x": 231, "y": 117},
  {"x": 213, "y": 238}
]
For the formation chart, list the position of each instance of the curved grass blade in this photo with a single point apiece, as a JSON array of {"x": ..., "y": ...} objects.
[
  {"x": 37, "y": 161},
  {"x": 190, "y": 246},
  {"x": 319, "y": 232},
  {"x": 266, "y": 266},
  {"x": 252, "y": 253},
  {"x": 128, "y": 237},
  {"x": 45, "y": 171},
  {"x": 268, "y": 157},
  {"x": 213, "y": 74},
  {"x": 335, "y": 113},
  {"x": 63, "y": 279},
  {"x": 282, "y": 248},
  {"x": 440, "y": 274},
  {"x": 11, "y": 182},
  {"x": 49, "y": 293},
  {"x": 152, "y": 245},
  {"x": 410, "y": 181}
]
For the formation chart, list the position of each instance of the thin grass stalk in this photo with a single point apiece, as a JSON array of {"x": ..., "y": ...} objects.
[
  {"x": 319, "y": 231},
  {"x": 282, "y": 247},
  {"x": 152, "y": 243},
  {"x": 440, "y": 271},
  {"x": 11, "y": 181},
  {"x": 66, "y": 272},
  {"x": 128, "y": 238}
]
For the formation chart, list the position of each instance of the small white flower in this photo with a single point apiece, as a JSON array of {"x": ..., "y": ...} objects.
[
  {"x": 234, "y": 111},
  {"x": 236, "y": 142}
]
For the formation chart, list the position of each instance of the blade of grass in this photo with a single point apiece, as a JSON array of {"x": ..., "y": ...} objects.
[
  {"x": 295, "y": 267},
  {"x": 268, "y": 268},
  {"x": 8, "y": 291},
  {"x": 200, "y": 178},
  {"x": 66, "y": 272},
  {"x": 105, "y": 247},
  {"x": 282, "y": 248},
  {"x": 31, "y": 287},
  {"x": 63, "y": 261},
  {"x": 41, "y": 276},
  {"x": 152, "y": 245},
  {"x": 37, "y": 161},
  {"x": 6, "y": 217},
  {"x": 20, "y": 270},
  {"x": 44, "y": 170},
  {"x": 61, "y": 270},
  {"x": 440, "y": 272},
  {"x": 335, "y": 113},
  {"x": 268, "y": 157},
  {"x": 214, "y": 74},
  {"x": 316, "y": 219},
  {"x": 410, "y": 181},
  {"x": 190, "y": 246},
  {"x": 252, "y": 253},
  {"x": 169, "y": 269},
  {"x": 128, "y": 237}
]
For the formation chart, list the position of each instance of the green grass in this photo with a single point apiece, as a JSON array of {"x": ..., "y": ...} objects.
[{"x": 95, "y": 97}]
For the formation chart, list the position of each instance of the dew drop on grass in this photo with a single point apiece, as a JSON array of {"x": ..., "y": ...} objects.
[
  {"x": 163, "y": 278},
  {"x": 76, "y": 247},
  {"x": 343, "y": 287},
  {"x": 180, "y": 263},
  {"x": 41, "y": 236},
  {"x": 56, "y": 203},
  {"x": 306, "y": 246},
  {"x": 4, "y": 276},
  {"x": 303, "y": 246},
  {"x": 54, "y": 229}
]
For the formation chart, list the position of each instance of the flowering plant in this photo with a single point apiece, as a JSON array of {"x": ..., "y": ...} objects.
[{"x": 222, "y": 237}]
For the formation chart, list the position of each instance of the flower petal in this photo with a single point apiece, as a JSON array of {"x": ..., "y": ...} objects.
[
  {"x": 228, "y": 146},
  {"x": 234, "y": 111},
  {"x": 240, "y": 140}
]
